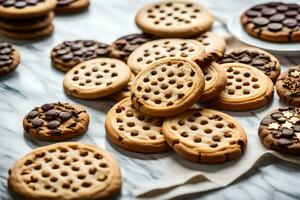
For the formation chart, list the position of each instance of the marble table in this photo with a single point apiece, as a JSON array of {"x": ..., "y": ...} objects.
[{"x": 36, "y": 82}]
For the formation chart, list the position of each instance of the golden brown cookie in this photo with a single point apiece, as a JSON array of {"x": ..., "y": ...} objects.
[
  {"x": 167, "y": 87},
  {"x": 205, "y": 136},
  {"x": 247, "y": 88},
  {"x": 56, "y": 121},
  {"x": 134, "y": 131},
  {"x": 66, "y": 171},
  {"x": 280, "y": 130},
  {"x": 21, "y": 9},
  {"x": 177, "y": 18},
  {"x": 274, "y": 21},
  {"x": 71, "y": 6},
  {"x": 125, "y": 92},
  {"x": 9, "y": 58},
  {"x": 96, "y": 78},
  {"x": 149, "y": 52},
  {"x": 288, "y": 86},
  {"x": 68, "y": 54},
  {"x": 212, "y": 42},
  {"x": 255, "y": 57}
]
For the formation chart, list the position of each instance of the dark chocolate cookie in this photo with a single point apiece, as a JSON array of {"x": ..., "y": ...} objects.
[
  {"x": 280, "y": 130},
  {"x": 56, "y": 121},
  {"x": 70, "y": 53},
  {"x": 9, "y": 58},
  {"x": 274, "y": 21}
]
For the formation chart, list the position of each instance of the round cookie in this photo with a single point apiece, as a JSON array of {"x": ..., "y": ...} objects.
[
  {"x": 27, "y": 24},
  {"x": 71, "y": 6},
  {"x": 96, "y": 78},
  {"x": 280, "y": 130},
  {"x": 212, "y": 42},
  {"x": 255, "y": 57},
  {"x": 274, "y": 21},
  {"x": 176, "y": 18},
  {"x": 167, "y": 87},
  {"x": 66, "y": 171},
  {"x": 134, "y": 131},
  {"x": 288, "y": 86},
  {"x": 9, "y": 58},
  {"x": 56, "y": 122},
  {"x": 29, "y": 35},
  {"x": 21, "y": 9},
  {"x": 247, "y": 88},
  {"x": 124, "y": 46},
  {"x": 215, "y": 81},
  {"x": 125, "y": 92},
  {"x": 149, "y": 52},
  {"x": 68, "y": 54},
  {"x": 205, "y": 136}
]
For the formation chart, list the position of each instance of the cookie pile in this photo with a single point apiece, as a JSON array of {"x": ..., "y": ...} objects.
[{"x": 26, "y": 19}]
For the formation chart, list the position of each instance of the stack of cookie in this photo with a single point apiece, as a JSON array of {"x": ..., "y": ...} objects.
[{"x": 26, "y": 19}]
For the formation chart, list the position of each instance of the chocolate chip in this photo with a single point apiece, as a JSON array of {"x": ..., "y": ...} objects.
[
  {"x": 291, "y": 13},
  {"x": 64, "y": 116},
  {"x": 276, "y": 134},
  {"x": 88, "y": 43},
  {"x": 284, "y": 142},
  {"x": 252, "y": 13},
  {"x": 273, "y": 4},
  {"x": 32, "y": 2},
  {"x": 275, "y": 27},
  {"x": 287, "y": 133},
  {"x": 20, "y": 4},
  {"x": 293, "y": 6},
  {"x": 75, "y": 46},
  {"x": 245, "y": 59},
  {"x": 64, "y": 2},
  {"x": 37, "y": 122},
  {"x": 32, "y": 114},
  {"x": 284, "y": 109},
  {"x": 51, "y": 114},
  {"x": 67, "y": 57},
  {"x": 268, "y": 11},
  {"x": 72, "y": 125},
  {"x": 290, "y": 23},
  {"x": 47, "y": 107},
  {"x": 56, "y": 132},
  {"x": 266, "y": 121},
  {"x": 6, "y": 50},
  {"x": 277, "y": 18},
  {"x": 276, "y": 115},
  {"x": 258, "y": 62},
  {"x": 297, "y": 128},
  {"x": 53, "y": 124},
  {"x": 8, "y": 3},
  {"x": 61, "y": 52},
  {"x": 282, "y": 8}
]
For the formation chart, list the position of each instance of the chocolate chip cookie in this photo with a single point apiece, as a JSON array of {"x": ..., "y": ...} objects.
[
  {"x": 56, "y": 122},
  {"x": 71, "y": 6},
  {"x": 274, "y": 21},
  {"x": 9, "y": 58}
]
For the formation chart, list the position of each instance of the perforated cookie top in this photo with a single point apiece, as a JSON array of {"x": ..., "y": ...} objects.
[
  {"x": 65, "y": 171},
  {"x": 134, "y": 130},
  {"x": 212, "y": 42},
  {"x": 174, "y": 19},
  {"x": 149, "y": 52},
  {"x": 96, "y": 78},
  {"x": 203, "y": 135},
  {"x": 167, "y": 87}
]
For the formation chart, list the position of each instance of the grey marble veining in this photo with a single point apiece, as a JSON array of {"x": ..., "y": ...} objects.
[{"x": 35, "y": 82}]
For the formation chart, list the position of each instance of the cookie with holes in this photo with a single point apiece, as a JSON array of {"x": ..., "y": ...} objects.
[
  {"x": 96, "y": 78},
  {"x": 71, "y": 6},
  {"x": 125, "y": 92},
  {"x": 255, "y": 57},
  {"x": 177, "y": 18},
  {"x": 20, "y": 9},
  {"x": 124, "y": 46},
  {"x": 205, "y": 136},
  {"x": 9, "y": 58},
  {"x": 56, "y": 121},
  {"x": 155, "y": 50},
  {"x": 167, "y": 87},
  {"x": 247, "y": 88},
  {"x": 68, "y": 54},
  {"x": 274, "y": 21},
  {"x": 280, "y": 130},
  {"x": 65, "y": 171},
  {"x": 212, "y": 42},
  {"x": 288, "y": 86},
  {"x": 133, "y": 130}
]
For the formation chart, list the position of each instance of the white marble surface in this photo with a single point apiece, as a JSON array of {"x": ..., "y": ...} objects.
[{"x": 35, "y": 82}]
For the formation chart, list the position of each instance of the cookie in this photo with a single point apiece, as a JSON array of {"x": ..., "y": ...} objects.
[
  {"x": 21, "y": 9},
  {"x": 149, "y": 52},
  {"x": 288, "y": 86},
  {"x": 66, "y": 171},
  {"x": 280, "y": 130},
  {"x": 96, "y": 78},
  {"x": 167, "y": 87},
  {"x": 29, "y": 35},
  {"x": 255, "y": 57},
  {"x": 68, "y": 54},
  {"x": 212, "y": 42},
  {"x": 124, "y": 46},
  {"x": 134, "y": 131},
  {"x": 205, "y": 136},
  {"x": 27, "y": 24},
  {"x": 125, "y": 92},
  {"x": 71, "y": 6},
  {"x": 247, "y": 88},
  {"x": 56, "y": 122},
  {"x": 173, "y": 19},
  {"x": 9, "y": 58},
  {"x": 274, "y": 21}
]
